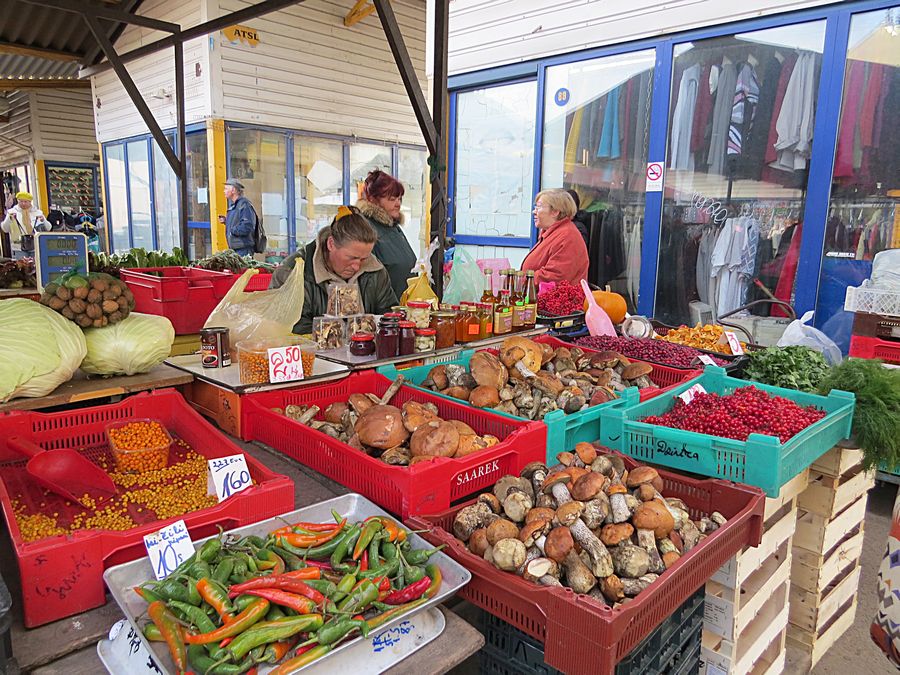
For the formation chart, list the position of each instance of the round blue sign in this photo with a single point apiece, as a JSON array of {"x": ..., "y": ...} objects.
[{"x": 562, "y": 96}]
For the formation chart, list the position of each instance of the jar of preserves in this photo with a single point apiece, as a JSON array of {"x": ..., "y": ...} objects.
[
  {"x": 398, "y": 310},
  {"x": 445, "y": 325},
  {"x": 462, "y": 323},
  {"x": 387, "y": 339},
  {"x": 407, "y": 338},
  {"x": 485, "y": 320},
  {"x": 399, "y": 316},
  {"x": 419, "y": 312},
  {"x": 362, "y": 344},
  {"x": 425, "y": 339}
]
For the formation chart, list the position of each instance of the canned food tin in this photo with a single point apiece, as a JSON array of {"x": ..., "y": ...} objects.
[{"x": 215, "y": 352}]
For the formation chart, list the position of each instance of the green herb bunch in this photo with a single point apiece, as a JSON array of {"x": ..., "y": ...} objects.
[{"x": 794, "y": 367}]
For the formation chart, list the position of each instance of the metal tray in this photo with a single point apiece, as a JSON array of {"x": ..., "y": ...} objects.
[{"x": 122, "y": 578}]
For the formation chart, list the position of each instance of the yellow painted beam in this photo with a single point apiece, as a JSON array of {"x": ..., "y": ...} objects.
[
  {"x": 360, "y": 11},
  {"x": 43, "y": 194},
  {"x": 218, "y": 206}
]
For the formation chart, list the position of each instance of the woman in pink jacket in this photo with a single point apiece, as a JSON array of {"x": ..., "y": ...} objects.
[{"x": 560, "y": 253}]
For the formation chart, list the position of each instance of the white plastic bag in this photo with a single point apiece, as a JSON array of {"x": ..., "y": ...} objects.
[
  {"x": 465, "y": 279},
  {"x": 263, "y": 314},
  {"x": 798, "y": 333},
  {"x": 886, "y": 270}
]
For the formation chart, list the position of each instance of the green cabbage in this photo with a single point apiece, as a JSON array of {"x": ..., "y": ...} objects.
[
  {"x": 39, "y": 349},
  {"x": 135, "y": 344}
]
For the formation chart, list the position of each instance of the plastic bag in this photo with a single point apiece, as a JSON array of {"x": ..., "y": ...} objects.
[
  {"x": 465, "y": 279},
  {"x": 262, "y": 314},
  {"x": 798, "y": 333},
  {"x": 418, "y": 288},
  {"x": 886, "y": 270}
]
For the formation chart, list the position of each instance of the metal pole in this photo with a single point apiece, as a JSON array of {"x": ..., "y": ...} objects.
[
  {"x": 439, "y": 159},
  {"x": 182, "y": 145}
]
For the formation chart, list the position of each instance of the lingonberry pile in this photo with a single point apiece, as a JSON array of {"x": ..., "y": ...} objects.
[
  {"x": 647, "y": 349},
  {"x": 563, "y": 299},
  {"x": 746, "y": 411}
]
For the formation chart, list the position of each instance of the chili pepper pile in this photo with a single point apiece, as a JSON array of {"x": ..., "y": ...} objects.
[
  {"x": 289, "y": 598},
  {"x": 562, "y": 299}
]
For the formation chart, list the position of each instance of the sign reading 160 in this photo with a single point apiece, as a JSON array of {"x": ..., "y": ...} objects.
[{"x": 234, "y": 482}]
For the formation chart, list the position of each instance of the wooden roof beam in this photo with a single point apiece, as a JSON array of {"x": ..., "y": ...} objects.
[
  {"x": 360, "y": 11},
  {"x": 14, "y": 83},
  {"x": 39, "y": 52}
]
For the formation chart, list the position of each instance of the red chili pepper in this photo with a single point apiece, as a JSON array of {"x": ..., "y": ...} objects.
[
  {"x": 280, "y": 566},
  {"x": 364, "y": 562},
  {"x": 308, "y": 527},
  {"x": 306, "y": 573},
  {"x": 253, "y": 613},
  {"x": 307, "y": 541},
  {"x": 412, "y": 592},
  {"x": 306, "y": 657},
  {"x": 320, "y": 564},
  {"x": 227, "y": 641},
  {"x": 213, "y": 594},
  {"x": 383, "y": 583},
  {"x": 304, "y": 649},
  {"x": 171, "y": 630},
  {"x": 282, "y": 582},
  {"x": 390, "y": 526},
  {"x": 298, "y": 603},
  {"x": 382, "y": 595}
]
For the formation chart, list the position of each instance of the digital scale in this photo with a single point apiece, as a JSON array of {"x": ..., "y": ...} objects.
[{"x": 56, "y": 253}]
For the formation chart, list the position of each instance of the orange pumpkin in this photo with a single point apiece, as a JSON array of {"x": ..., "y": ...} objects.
[{"x": 611, "y": 303}]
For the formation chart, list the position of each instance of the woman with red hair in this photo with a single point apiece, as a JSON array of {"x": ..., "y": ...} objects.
[{"x": 380, "y": 204}]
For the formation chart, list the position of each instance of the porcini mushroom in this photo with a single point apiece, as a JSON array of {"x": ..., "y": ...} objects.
[
  {"x": 478, "y": 541},
  {"x": 517, "y": 504},
  {"x": 630, "y": 561},
  {"x": 488, "y": 371},
  {"x": 578, "y": 575},
  {"x": 543, "y": 571},
  {"x": 631, "y": 587},
  {"x": 360, "y": 403},
  {"x": 534, "y": 531},
  {"x": 612, "y": 588},
  {"x": 437, "y": 378},
  {"x": 381, "y": 426},
  {"x": 509, "y": 554},
  {"x": 491, "y": 500},
  {"x": 484, "y": 396},
  {"x": 501, "y": 529},
  {"x": 502, "y": 486},
  {"x": 601, "y": 561},
  {"x": 615, "y": 533},
  {"x": 521, "y": 356},
  {"x": 588, "y": 486},
  {"x": 595, "y": 511},
  {"x": 637, "y": 374},
  {"x": 415, "y": 415},
  {"x": 555, "y": 484},
  {"x": 558, "y": 543},
  {"x": 535, "y": 472},
  {"x": 653, "y": 521},
  {"x": 471, "y": 518},
  {"x": 436, "y": 439},
  {"x": 335, "y": 412}
]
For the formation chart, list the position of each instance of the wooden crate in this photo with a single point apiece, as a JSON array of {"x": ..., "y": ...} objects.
[
  {"x": 819, "y": 533},
  {"x": 828, "y": 495},
  {"x": 811, "y": 612},
  {"x": 814, "y": 571},
  {"x": 221, "y": 405},
  {"x": 839, "y": 460},
  {"x": 812, "y": 646}
]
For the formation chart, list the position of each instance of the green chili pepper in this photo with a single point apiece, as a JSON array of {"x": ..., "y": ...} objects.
[
  {"x": 421, "y": 556},
  {"x": 193, "y": 593},
  {"x": 250, "y": 562},
  {"x": 199, "y": 569},
  {"x": 239, "y": 624},
  {"x": 223, "y": 570},
  {"x": 374, "y": 551},
  {"x": 253, "y": 540},
  {"x": 304, "y": 659},
  {"x": 203, "y": 663},
  {"x": 209, "y": 550},
  {"x": 336, "y": 631},
  {"x": 173, "y": 589},
  {"x": 193, "y": 615},
  {"x": 241, "y": 602},
  {"x": 340, "y": 552},
  {"x": 389, "y": 569},
  {"x": 393, "y": 612},
  {"x": 359, "y": 599},
  {"x": 239, "y": 573},
  {"x": 272, "y": 631},
  {"x": 152, "y": 633},
  {"x": 372, "y": 528},
  {"x": 389, "y": 551},
  {"x": 293, "y": 561},
  {"x": 275, "y": 612},
  {"x": 147, "y": 594},
  {"x": 325, "y": 587},
  {"x": 414, "y": 573},
  {"x": 344, "y": 586}
]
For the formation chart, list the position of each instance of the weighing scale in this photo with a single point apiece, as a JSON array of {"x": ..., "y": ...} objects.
[{"x": 56, "y": 253}]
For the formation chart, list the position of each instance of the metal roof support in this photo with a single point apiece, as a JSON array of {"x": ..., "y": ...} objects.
[
  {"x": 181, "y": 141},
  {"x": 438, "y": 163},
  {"x": 100, "y": 11}
]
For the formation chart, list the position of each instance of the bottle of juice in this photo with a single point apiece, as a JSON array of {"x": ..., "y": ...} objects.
[
  {"x": 503, "y": 314},
  {"x": 517, "y": 297},
  {"x": 530, "y": 294},
  {"x": 488, "y": 294}
]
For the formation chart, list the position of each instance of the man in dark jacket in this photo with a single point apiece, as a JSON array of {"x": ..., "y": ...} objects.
[
  {"x": 241, "y": 220},
  {"x": 340, "y": 255}
]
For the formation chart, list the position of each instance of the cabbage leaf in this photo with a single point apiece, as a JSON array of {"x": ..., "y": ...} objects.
[{"x": 135, "y": 344}]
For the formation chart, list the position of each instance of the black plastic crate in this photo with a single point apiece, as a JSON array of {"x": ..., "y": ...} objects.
[
  {"x": 8, "y": 665},
  {"x": 673, "y": 648}
]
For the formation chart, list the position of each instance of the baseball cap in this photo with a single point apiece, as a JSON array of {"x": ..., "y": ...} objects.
[{"x": 234, "y": 182}]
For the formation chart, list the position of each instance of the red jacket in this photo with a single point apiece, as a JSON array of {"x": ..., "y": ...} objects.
[{"x": 559, "y": 255}]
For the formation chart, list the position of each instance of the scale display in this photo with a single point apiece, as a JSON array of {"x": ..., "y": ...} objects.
[{"x": 56, "y": 253}]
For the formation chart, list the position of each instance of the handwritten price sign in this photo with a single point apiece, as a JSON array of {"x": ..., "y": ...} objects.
[
  {"x": 392, "y": 636},
  {"x": 730, "y": 339},
  {"x": 689, "y": 395},
  {"x": 227, "y": 476},
  {"x": 706, "y": 360},
  {"x": 285, "y": 364},
  {"x": 168, "y": 548}
]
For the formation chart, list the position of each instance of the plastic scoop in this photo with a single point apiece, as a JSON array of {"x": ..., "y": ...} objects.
[
  {"x": 63, "y": 471},
  {"x": 598, "y": 321}
]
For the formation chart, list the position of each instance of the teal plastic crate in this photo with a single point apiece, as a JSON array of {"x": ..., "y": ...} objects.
[{"x": 761, "y": 460}]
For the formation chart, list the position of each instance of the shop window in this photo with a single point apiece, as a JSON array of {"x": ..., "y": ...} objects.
[
  {"x": 741, "y": 121},
  {"x": 165, "y": 193},
  {"x": 117, "y": 187},
  {"x": 200, "y": 238},
  {"x": 494, "y": 168},
  {"x": 865, "y": 187},
  {"x": 259, "y": 160},
  {"x": 139, "y": 192},
  {"x": 413, "y": 172},
  {"x": 318, "y": 185},
  {"x": 366, "y": 157},
  {"x": 596, "y": 135}
]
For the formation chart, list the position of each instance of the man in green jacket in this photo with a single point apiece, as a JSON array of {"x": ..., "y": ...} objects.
[{"x": 341, "y": 256}]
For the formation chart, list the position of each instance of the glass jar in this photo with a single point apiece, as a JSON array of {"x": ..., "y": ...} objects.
[
  {"x": 485, "y": 320},
  {"x": 407, "y": 338},
  {"x": 425, "y": 339},
  {"x": 445, "y": 325},
  {"x": 362, "y": 344},
  {"x": 329, "y": 332},
  {"x": 462, "y": 323},
  {"x": 419, "y": 312},
  {"x": 361, "y": 323},
  {"x": 473, "y": 324},
  {"x": 387, "y": 339},
  {"x": 398, "y": 310}
]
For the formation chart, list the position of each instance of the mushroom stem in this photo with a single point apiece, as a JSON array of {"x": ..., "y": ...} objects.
[
  {"x": 647, "y": 541},
  {"x": 393, "y": 389},
  {"x": 548, "y": 580},
  {"x": 619, "y": 507},
  {"x": 690, "y": 535},
  {"x": 533, "y": 553},
  {"x": 537, "y": 479},
  {"x": 601, "y": 560},
  {"x": 578, "y": 577},
  {"x": 308, "y": 415},
  {"x": 561, "y": 494},
  {"x": 631, "y": 587},
  {"x": 521, "y": 367}
]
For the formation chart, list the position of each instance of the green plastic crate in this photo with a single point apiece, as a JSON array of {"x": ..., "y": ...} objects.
[{"x": 761, "y": 460}]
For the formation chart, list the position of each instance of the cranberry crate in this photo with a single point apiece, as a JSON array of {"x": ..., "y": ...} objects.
[
  {"x": 580, "y": 635},
  {"x": 425, "y": 487},
  {"x": 62, "y": 575}
]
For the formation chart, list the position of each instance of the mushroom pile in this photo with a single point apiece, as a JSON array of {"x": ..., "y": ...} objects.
[
  {"x": 399, "y": 436},
  {"x": 530, "y": 379},
  {"x": 586, "y": 523}
]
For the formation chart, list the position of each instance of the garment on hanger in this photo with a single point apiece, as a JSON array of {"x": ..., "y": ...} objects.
[
  {"x": 797, "y": 116},
  {"x": 785, "y": 289},
  {"x": 746, "y": 96},
  {"x": 704, "y": 261},
  {"x": 721, "y": 117},
  {"x": 683, "y": 120},
  {"x": 609, "y": 135},
  {"x": 642, "y": 114},
  {"x": 754, "y": 142},
  {"x": 843, "y": 161},
  {"x": 702, "y": 112},
  {"x": 571, "y": 154},
  {"x": 733, "y": 261},
  {"x": 633, "y": 256},
  {"x": 787, "y": 68}
]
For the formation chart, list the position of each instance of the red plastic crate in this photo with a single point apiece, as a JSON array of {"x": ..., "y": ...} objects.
[
  {"x": 427, "y": 487},
  {"x": 184, "y": 295},
  {"x": 258, "y": 282},
  {"x": 874, "y": 348},
  {"x": 63, "y": 575},
  {"x": 580, "y": 635}
]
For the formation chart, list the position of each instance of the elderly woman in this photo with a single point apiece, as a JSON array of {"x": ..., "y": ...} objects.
[
  {"x": 341, "y": 255},
  {"x": 560, "y": 253},
  {"x": 380, "y": 204},
  {"x": 21, "y": 222}
]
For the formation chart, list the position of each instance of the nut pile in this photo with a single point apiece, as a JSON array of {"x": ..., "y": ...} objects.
[
  {"x": 399, "y": 436},
  {"x": 92, "y": 301},
  {"x": 586, "y": 523},
  {"x": 707, "y": 337},
  {"x": 530, "y": 379}
]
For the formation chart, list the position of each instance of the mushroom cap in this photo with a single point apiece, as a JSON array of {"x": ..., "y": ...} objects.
[
  {"x": 471, "y": 443},
  {"x": 646, "y": 492},
  {"x": 635, "y": 370},
  {"x": 501, "y": 528},
  {"x": 586, "y": 452},
  {"x": 547, "y": 383},
  {"x": 641, "y": 475},
  {"x": 488, "y": 371},
  {"x": 458, "y": 392},
  {"x": 491, "y": 500},
  {"x": 381, "y": 426},
  {"x": 531, "y": 467},
  {"x": 438, "y": 375},
  {"x": 335, "y": 412},
  {"x": 605, "y": 359},
  {"x": 615, "y": 533},
  {"x": 533, "y": 530},
  {"x": 558, "y": 544},
  {"x": 602, "y": 394},
  {"x": 566, "y": 458},
  {"x": 612, "y": 588},
  {"x": 360, "y": 403},
  {"x": 539, "y": 513},
  {"x": 587, "y": 486},
  {"x": 515, "y": 349},
  {"x": 484, "y": 396},
  {"x": 653, "y": 516},
  {"x": 478, "y": 541},
  {"x": 462, "y": 428},
  {"x": 415, "y": 415},
  {"x": 438, "y": 439},
  {"x": 560, "y": 477},
  {"x": 569, "y": 512},
  {"x": 546, "y": 352},
  {"x": 670, "y": 558},
  {"x": 616, "y": 488}
]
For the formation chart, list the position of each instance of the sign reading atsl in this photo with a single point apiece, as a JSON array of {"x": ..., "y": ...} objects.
[{"x": 242, "y": 34}]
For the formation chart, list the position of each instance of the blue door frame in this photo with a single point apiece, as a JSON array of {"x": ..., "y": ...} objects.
[{"x": 837, "y": 28}]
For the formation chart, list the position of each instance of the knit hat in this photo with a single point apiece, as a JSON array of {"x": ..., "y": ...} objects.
[{"x": 24, "y": 195}]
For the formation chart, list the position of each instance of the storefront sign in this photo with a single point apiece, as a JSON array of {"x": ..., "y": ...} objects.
[
  {"x": 654, "y": 176},
  {"x": 242, "y": 34}
]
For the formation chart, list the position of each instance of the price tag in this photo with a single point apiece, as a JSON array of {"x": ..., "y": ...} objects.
[
  {"x": 285, "y": 364},
  {"x": 731, "y": 340},
  {"x": 392, "y": 636},
  {"x": 128, "y": 651},
  {"x": 706, "y": 359},
  {"x": 689, "y": 395},
  {"x": 168, "y": 548},
  {"x": 227, "y": 476}
]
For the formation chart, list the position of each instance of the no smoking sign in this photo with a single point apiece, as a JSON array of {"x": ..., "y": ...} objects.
[{"x": 654, "y": 177}]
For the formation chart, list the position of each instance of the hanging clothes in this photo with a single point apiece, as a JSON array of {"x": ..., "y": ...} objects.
[
  {"x": 754, "y": 142},
  {"x": 746, "y": 96},
  {"x": 704, "y": 264},
  {"x": 843, "y": 161},
  {"x": 642, "y": 115},
  {"x": 683, "y": 120},
  {"x": 721, "y": 117},
  {"x": 702, "y": 111},
  {"x": 733, "y": 262},
  {"x": 633, "y": 256},
  {"x": 797, "y": 116},
  {"x": 785, "y": 289},
  {"x": 787, "y": 68},
  {"x": 571, "y": 154},
  {"x": 609, "y": 135}
]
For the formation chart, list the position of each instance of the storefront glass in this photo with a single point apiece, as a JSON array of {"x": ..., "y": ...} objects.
[
  {"x": 200, "y": 243},
  {"x": 165, "y": 192},
  {"x": 413, "y": 173},
  {"x": 366, "y": 157},
  {"x": 318, "y": 185},
  {"x": 139, "y": 191},
  {"x": 259, "y": 160},
  {"x": 865, "y": 188},
  {"x": 596, "y": 135},
  {"x": 117, "y": 208},
  {"x": 494, "y": 165},
  {"x": 741, "y": 121}
]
